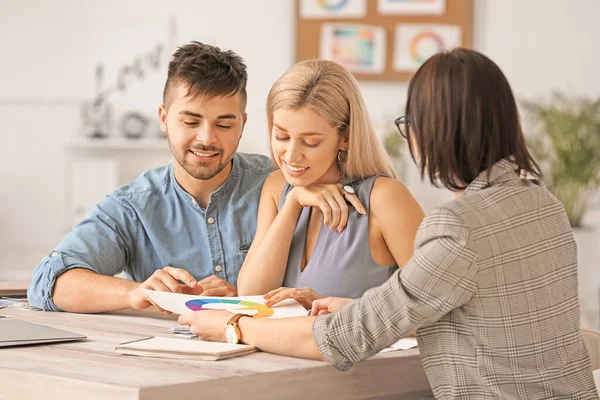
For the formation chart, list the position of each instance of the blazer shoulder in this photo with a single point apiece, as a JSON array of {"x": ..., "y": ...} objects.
[{"x": 443, "y": 221}]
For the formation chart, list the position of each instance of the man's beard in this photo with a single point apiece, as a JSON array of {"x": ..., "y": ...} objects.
[{"x": 197, "y": 170}]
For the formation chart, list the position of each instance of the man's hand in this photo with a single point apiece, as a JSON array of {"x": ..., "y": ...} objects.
[
  {"x": 164, "y": 280},
  {"x": 215, "y": 286},
  {"x": 328, "y": 305}
]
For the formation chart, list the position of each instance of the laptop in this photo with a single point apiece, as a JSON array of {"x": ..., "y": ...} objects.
[{"x": 14, "y": 332}]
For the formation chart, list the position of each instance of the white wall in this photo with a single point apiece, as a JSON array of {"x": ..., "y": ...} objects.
[{"x": 49, "y": 51}]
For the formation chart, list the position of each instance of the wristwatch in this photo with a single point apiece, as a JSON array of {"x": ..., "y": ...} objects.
[{"x": 232, "y": 331}]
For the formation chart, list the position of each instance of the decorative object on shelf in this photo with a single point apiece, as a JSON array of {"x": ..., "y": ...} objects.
[
  {"x": 96, "y": 119},
  {"x": 566, "y": 143},
  {"x": 137, "y": 68},
  {"x": 134, "y": 125},
  {"x": 96, "y": 114},
  {"x": 394, "y": 145}
]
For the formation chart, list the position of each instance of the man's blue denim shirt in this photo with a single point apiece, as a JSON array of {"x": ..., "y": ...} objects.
[{"x": 152, "y": 222}]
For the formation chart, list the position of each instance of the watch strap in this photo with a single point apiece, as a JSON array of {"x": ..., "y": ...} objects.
[{"x": 233, "y": 320}]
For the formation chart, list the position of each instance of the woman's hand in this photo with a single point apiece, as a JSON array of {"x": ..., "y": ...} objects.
[
  {"x": 328, "y": 305},
  {"x": 305, "y": 296},
  {"x": 330, "y": 199},
  {"x": 216, "y": 286},
  {"x": 207, "y": 324}
]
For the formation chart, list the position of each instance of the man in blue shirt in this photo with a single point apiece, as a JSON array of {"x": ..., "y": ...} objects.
[{"x": 191, "y": 221}]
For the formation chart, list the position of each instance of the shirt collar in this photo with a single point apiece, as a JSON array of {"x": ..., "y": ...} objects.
[
  {"x": 224, "y": 190},
  {"x": 500, "y": 172},
  {"x": 227, "y": 187}
]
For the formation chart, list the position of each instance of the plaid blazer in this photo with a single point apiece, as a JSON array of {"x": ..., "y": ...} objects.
[{"x": 491, "y": 290}]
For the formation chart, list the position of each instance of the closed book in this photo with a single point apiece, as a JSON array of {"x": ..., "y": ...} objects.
[{"x": 163, "y": 347}]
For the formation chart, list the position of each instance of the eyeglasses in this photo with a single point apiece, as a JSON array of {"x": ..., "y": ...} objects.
[{"x": 401, "y": 123}]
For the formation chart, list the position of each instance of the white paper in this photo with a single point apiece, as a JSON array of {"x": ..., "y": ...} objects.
[
  {"x": 6, "y": 303},
  {"x": 250, "y": 305},
  {"x": 185, "y": 335},
  {"x": 415, "y": 43},
  {"x": 402, "y": 344},
  {"x": 358, "y": 47},
  {"x": 412, "y": 7},
  {"x": 317, "y": 9}
]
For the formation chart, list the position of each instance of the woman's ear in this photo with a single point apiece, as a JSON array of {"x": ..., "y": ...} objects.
[{"x": 344, "y": 143}]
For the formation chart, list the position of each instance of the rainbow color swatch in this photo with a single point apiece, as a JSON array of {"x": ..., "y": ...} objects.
[
  {"x": 425, "y": 36},
  {"x": 333, "y": 5},
  {"x": 257, "y": 310},
  {"x": 415, "y": 43}
]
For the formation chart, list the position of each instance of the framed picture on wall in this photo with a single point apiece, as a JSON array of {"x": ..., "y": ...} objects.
[
  {"x": 360, "y": 48},
  {"x": 412, "y": 7},
  {"x": 386, "y": 40}
]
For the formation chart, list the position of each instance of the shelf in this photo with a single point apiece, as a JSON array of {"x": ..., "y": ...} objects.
[{"x": 120, "y": 143}]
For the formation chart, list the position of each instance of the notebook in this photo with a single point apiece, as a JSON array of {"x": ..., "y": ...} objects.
[
  {"x": 163, "y": 347},
  {"x": 14, "y": 332}
]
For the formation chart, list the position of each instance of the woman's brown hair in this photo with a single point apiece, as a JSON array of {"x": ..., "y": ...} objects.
[{"x": 461, "y": 118}]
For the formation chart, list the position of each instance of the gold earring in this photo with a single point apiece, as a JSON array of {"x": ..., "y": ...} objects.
[{"x": 342, "y": 159}]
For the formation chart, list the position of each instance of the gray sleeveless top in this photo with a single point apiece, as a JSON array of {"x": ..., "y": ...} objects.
[{"x": 341, "y": 265}]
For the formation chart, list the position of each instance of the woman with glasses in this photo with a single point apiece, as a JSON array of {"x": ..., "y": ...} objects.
[
  {"x": 492, "y": 286},
  {"x": 400, "y": 124},
  {"x": 332, "y": 221}
]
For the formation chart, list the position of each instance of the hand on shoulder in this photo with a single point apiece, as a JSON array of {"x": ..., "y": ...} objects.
[{"x": 331, "y": 199}]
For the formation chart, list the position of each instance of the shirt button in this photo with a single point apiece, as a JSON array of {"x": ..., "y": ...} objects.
[
  {"x": 218, "y": 268},
  {"x": 54, "y": 254},
  {"x": 194, "y": 202},
  {"x": 211, "y": 220}
]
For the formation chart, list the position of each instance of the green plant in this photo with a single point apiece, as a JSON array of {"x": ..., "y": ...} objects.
[
  {"x": 393, "y": 143},
  {"x": 566, "y": 143}
]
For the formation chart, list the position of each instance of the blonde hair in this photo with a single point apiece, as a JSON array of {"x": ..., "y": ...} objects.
[{"x": 330, "y": 90}]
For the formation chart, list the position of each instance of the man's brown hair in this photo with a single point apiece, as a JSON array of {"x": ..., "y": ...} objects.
[
  {"x": 462, "y": 116},
  {"x": 207, "y": 71}
]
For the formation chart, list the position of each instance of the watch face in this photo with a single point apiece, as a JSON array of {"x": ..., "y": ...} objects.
[{"x": 230, "y": 334}]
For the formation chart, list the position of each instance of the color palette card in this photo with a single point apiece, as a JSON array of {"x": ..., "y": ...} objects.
[{"x": 250, "y": 305}]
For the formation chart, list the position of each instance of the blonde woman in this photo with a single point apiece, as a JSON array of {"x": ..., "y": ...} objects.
[{"x": 332, "y": 219}]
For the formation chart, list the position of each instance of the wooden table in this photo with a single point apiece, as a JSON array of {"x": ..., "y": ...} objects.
[
  {"x": 92, "y": 370},
  {"x": 11, "y": 288}
]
